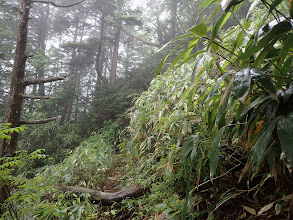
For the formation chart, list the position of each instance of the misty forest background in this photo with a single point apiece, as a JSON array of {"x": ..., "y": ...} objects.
[{"x": 190, "y": 101}]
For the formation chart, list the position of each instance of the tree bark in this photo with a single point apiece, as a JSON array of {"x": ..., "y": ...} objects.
[
  {"x": 100, "y": 53},
  {"x": 38, "y": 122},
  {"x": 44, "y": 80},
  {"x": 41, "y": 44},
  {"x": 113, "y": 71},
  {"x": 14, "y": 102},
  {"x": 37, "y": 97},
  {"x": 173, "y": 18},
  {"x": 17, "y": 87}
]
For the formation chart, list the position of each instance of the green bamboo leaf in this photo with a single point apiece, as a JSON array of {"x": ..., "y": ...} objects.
[
  {"x": 242, "y": 81},
  {"x": 255, "y": 2},
  {"x": 185, "y": 36},
  {"x": 214, "y": 153},
  {"x": 165, "y": 57},
  {"x": 191, "y": 57},
  {"x": 274, "y": 5},
  {"x": 182, "y": 54},
  {"x": 265, "y": 52},
  {"x": 256, "y": 102},
  {"x": 224, "y": 105},
  {"x": 262, "y": 143},
  {"x": 265, "y": 80},
  {"x": 211, "y": 117},
  {"x": 274, "y": 33},
  {"x": 227, "y": 4},
  {"x": 285, "y": 133},
  {"x": 219, "y": 25},
  {"x": 217, "y": 84},
  {"x": 287, "y": 46},
  {"x": 200, "y": 30},
  {"x": 162, "y": 64},
  {"x": 208, "y": 3}
]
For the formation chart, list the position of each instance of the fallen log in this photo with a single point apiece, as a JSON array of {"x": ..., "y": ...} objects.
[{"x": 102, "y": 198}]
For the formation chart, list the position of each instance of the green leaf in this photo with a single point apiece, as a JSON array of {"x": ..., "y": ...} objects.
[
  {"x": 242, "y": 80},
  {"x": 285, "y": 133},
  {"x": 274, "y": 5},
  {"x": 219, "y": 25},
  {"x": 185, "y": 36},
  {"x": 255, "y": 2},
  {"x": 254, "y": 103},
  {"x": 184, "y": 53},
  {"x": 288, "y": 45},
  {"x": 224, "y": 105},
  {"x": 189, "y": 147},
  {"x": 211, "y": 117},
  {"x": 208, "y": 3},
  {"x": 264, "y": 53},
  {"x": 217, "y": 84},
  {"x": 262, "y": 143},
  {"x": 227, "y": 4},
  {"x": 264, "y": 79},
  {"x": 200, "y": 30},
  {"x": 274, "y": 32},
  {"x": 214, "y": 153}
]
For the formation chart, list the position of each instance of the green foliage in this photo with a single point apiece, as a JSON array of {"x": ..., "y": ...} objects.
[
  {"x": 86, "y": 166},
  {"x": 6, "y": 130},
  {"x": 182, "y": 118},
  {"x": 57, "y": 140}
]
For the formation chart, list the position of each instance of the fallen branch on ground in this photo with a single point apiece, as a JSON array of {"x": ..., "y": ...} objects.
[{"x": 98, "y": 197}]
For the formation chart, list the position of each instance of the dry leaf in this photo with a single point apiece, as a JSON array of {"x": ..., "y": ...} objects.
[
  {"x": 265, "y": 208},
  {"x": 248, "y": 209}
]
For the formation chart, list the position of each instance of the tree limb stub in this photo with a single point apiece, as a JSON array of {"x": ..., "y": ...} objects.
[
  {"x": 59, "y": 6},
  {"x": 37, "y": 122},
  {"x": 104, "y": 198},
  {"x": 37, "y": 97},
  {"x": 44, "y": 80}
]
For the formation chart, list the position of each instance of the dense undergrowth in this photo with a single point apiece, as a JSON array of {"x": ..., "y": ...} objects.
[{"x": 210, "y": 139}]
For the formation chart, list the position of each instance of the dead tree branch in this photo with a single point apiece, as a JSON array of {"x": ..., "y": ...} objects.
[
  {"x": 44, "y": 80},
  {"x": 153, "y": 44},
  {"x": 37, "y": 122},
  {"x": 102, "y": 198},
  {"x": 37, "y": 97},
  {"x": 59, "y": 6}
]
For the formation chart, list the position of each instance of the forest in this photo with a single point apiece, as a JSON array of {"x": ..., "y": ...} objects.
[{"x": 146, "y": 109}]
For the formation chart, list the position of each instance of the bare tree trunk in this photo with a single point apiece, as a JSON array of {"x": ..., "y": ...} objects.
[
  {"x": 41, "y": 44},
  {"x": 14, "y": 102},
  {"x": 17, "y": 87},
  {"x": 99, "y": 56},
  {"x": 173, "y": 18},
  {"x": 116, "y": 47}
]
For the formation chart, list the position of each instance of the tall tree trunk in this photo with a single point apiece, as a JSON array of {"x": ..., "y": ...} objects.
[
  {"x": 17, "y": 87},
  {"x": 41, "y": 44},
  {"x": 14, "y": 102},
  {"x": 116, "y": 46},
  {"x": 173, "y": 18},
  {"x": 100, "y": 53},
  {"x": 66, "y": 114}
]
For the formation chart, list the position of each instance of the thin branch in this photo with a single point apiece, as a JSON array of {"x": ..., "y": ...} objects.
[
  {"x": 37, "y": 97},
  {"x": 224, "y": 48},
  {"x": 153, "y": 44},
  {"x": 37, "y": 122},
  {"x": 59, "y": 6},
  {"x": 43, "y": 80}
]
